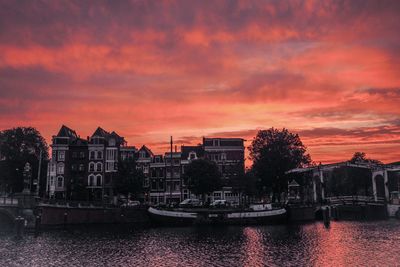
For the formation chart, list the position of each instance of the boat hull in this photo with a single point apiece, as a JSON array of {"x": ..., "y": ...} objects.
[{"x": 215, "y": 217}]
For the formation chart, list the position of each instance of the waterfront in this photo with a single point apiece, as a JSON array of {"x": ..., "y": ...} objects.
[{"x": 343, "y": 244}]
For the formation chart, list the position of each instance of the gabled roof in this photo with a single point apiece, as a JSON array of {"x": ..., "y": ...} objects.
[
  {"x": 119, "y": 138},
  {"x": 66, "y": 132},
  {"x": 101, "y": 132},
  {"x": 149, "y": 153}
]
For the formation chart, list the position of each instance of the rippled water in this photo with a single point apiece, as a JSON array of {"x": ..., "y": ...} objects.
[{"x": 343, "y": 244}]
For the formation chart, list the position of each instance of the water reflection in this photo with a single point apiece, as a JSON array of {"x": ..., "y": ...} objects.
[{"x": 343, "y": 244}]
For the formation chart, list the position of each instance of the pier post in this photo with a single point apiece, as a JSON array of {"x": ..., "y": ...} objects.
[
  {"x": 65, "y": 220},
  {"x": 37, "y": 225},
  {"x": 374, "y": 187},
  {"x": 314, "y": 189},
  {"x": 19, "y": 224},
  {"x": 321, "y": 177},
  {"x": 386, "y": 185}
]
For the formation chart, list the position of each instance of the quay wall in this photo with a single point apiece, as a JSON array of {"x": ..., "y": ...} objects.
[
  {"x": 359, "y": 212},
  {"x": 63, "y": 215},
  {"x": 393, "y": 209},
  {"x": 301, "y": 213}
]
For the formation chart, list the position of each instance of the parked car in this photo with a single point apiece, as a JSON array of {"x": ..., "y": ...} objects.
[
  {"x": 220, "y": 203},
  {"x": 190, "y": 203},
  {"x": 131, "y": 203}
]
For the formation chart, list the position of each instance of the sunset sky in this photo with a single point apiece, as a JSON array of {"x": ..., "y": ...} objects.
[{"x": 328, "y": 70}]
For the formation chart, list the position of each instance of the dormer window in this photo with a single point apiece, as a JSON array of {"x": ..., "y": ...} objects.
[
  {"x": 192, "y": 155},
  {"x": 142, "y": 154}
]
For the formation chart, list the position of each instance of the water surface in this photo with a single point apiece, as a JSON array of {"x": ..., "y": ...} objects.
[{"x": 343, "y": 244}]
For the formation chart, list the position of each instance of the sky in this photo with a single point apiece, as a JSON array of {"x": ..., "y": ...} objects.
[{"x": 327, "y": 70}]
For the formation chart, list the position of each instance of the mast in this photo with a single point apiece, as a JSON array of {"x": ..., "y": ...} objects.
[{"x": 171, "y": 173}]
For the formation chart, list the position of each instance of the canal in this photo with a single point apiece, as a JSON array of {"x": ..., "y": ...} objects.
[{"x": 343, "y": 244}]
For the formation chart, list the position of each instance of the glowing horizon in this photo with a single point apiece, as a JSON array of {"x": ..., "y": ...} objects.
[{"x": 327, "y": 70}]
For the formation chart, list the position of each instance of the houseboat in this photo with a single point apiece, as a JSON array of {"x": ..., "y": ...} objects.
[{"x": 255, "y": 214}]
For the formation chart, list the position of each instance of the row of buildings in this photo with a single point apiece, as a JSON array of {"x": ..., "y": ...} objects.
[{"x": 85, "y": 168}]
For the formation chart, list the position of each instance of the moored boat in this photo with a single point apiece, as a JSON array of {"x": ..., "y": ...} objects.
[{"x": 216, "y": 216}]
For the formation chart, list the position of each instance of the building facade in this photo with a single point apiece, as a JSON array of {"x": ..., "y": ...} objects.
[
  {"x": 86, "y": 168},
  {"x": 67, "y": 167}
]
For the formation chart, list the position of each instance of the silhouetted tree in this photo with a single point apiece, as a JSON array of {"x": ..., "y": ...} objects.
[
  {"x": 361, "y": 157},
  {"x": 17, "y": 147},
  {"x": 129, "y": 180},
  {"x": 274, "y": 152},
  {"x": 247, "y": 184},
  {"x": 202, "y": 177}
]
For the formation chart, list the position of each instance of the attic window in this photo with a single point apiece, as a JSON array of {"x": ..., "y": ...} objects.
[{"x": 192, "y": 155}]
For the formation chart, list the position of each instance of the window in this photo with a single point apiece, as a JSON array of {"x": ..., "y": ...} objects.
[
  {"x": 74, "y": 167},
  {"x": 223, "y": 156},
  {"x": 61, "y": 155},
  {"x": 112, "y": 142},
  {"x": 146, "y": 182},
  {"x": 161, "y": 185},
  {"x": 110, "y": 166},
  {"x": 176, "y": 186},
  {"x": 111, "y": 154},
  {"x": 81, "y": 167},
  {"x": 51, "y": 181},
  {"x": 99, "y": 155},
  {"x": 99, "y": 167},
  {"x": 153, "y": 185},
  {"x": 146, "y": 169},
  {"x": 60, "y": 168},
  {"x": 91, "y": 166},
  {"x": 216, "y": 142},
  {"x": 142, "y": 154},
  {"x": 91, "y": 180},
  {"x": 98, "y": 180},
  {"x": 54, "y": 154},
  {"x": 52, "y": 167},
  {"x": 60, "y": 181},
  {"x": 82, "y": 155},
  {"x": 92, "y": 153},
  {"x": 74, "y": 155}
]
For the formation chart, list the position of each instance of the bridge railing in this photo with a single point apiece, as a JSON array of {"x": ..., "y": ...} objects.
[
  {"x": 77, "y": 204},
  {"x": 351, "y": 200},
  {"x": 8, "y": 200}
]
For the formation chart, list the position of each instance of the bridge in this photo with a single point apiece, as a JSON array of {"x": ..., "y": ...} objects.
[{"x": 12, "y": 207}]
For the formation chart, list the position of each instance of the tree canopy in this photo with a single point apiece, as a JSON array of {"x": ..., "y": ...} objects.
[
  {"x": 361, "y": 157},
  {"x": 129, "y": 180},
  {"x": 274, "y": 152},
  {"x": 203, "y": 177},
  {"x": 17, "y": 147}
]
